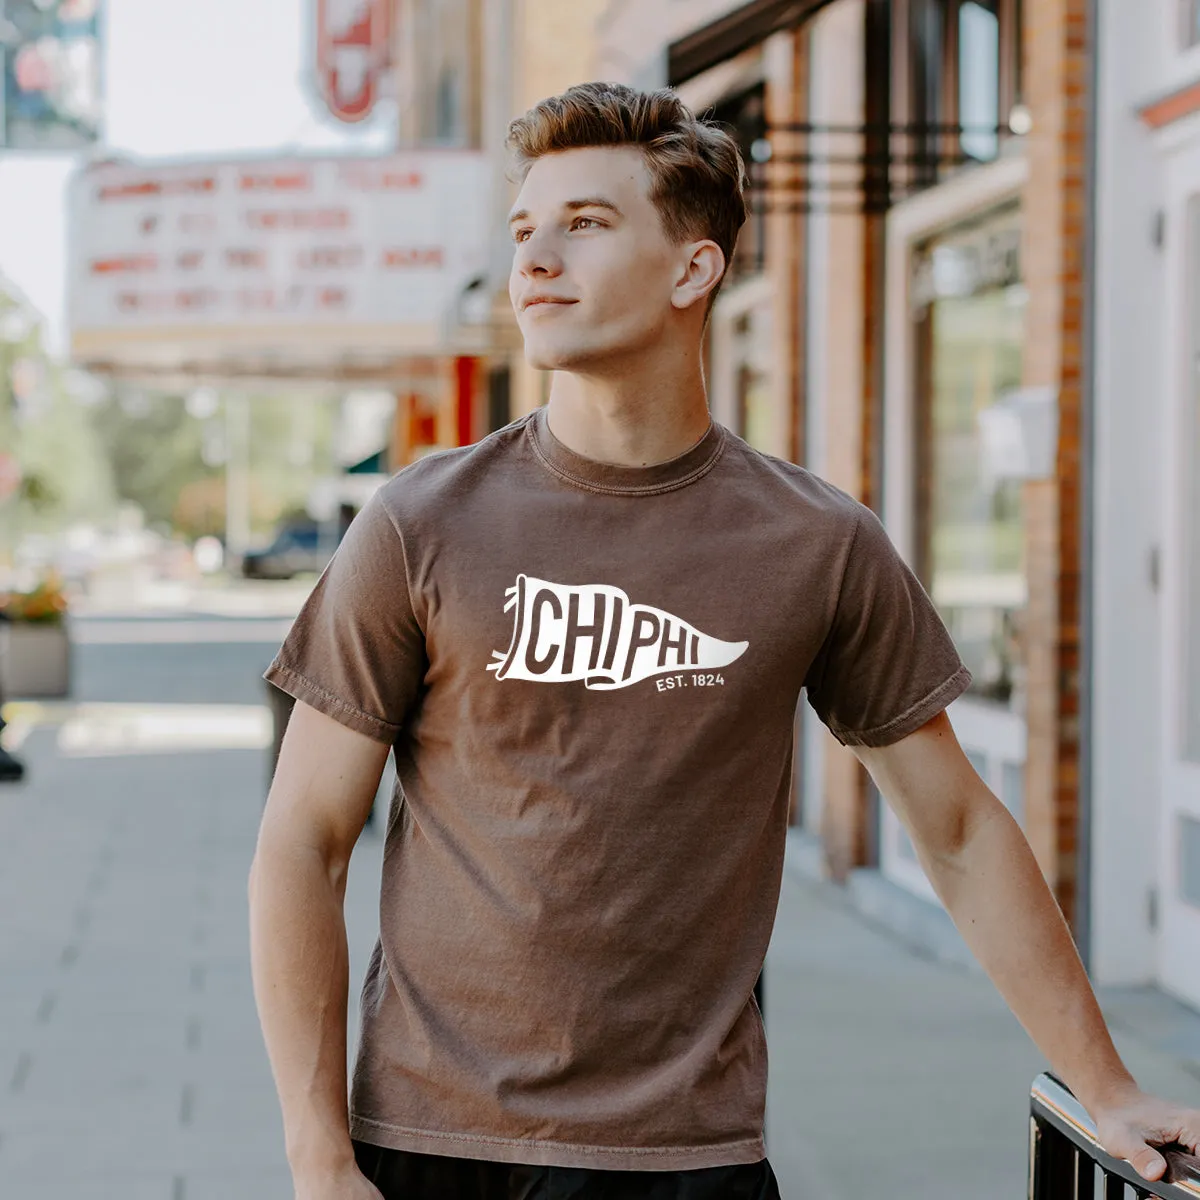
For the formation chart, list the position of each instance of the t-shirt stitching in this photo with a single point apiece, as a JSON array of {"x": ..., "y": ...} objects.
[
  {"x": 337, "y": 701},
  {"x": 655, "y": 489},
  {"x": 574, "y": 1147},
  {"x": 837, "y": 608},
  {"x": 881, "y": 730}
]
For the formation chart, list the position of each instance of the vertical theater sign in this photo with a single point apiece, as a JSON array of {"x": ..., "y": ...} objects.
[
  {"x": 352, "y": 55},
  {"x": 51, "y": 94}
]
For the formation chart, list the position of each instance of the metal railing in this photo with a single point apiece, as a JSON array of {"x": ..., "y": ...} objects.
[{"x": 1067, "y": 1162}]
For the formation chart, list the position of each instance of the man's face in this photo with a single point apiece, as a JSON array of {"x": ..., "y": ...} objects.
[{"x": 594, "y": 272}]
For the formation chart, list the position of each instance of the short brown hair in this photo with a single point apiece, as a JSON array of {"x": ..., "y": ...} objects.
[{"x": 697, "y": 173}]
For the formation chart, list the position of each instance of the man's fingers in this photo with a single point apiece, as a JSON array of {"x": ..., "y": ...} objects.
[
  {"x": 1148, "y": 1163},
  {"x": 1190, "y": 1136}
]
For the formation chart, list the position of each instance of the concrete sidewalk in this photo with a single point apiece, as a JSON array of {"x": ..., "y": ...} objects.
[
  {"x": 894, "y": 1074},
  {"x": 131, "y": 1066}
]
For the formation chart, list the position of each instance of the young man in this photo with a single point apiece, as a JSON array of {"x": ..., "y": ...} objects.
[{"x": 584, "y": 640}]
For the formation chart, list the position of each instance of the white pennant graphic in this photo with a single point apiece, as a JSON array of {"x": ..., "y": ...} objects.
[{"x": 594, "y": 633}]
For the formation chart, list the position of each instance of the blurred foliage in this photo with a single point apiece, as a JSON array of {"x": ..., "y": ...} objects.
[
  {"x": 85, "y": 446},
  {"x": 200, "y": 507},
  {"x": 171, "y": 463},
  {"x": 153, "y": 448},
  {"x": 45, "y": 604},
  {"x": 44, "y": 422},
  {"x": 291, "y": 446}
]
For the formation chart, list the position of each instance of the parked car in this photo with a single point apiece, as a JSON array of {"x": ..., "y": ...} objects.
[{"x": 298, "y": 548}]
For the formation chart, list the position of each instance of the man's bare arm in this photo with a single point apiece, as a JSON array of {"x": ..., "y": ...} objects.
[
  {"x": 319, "y": 802},
  {"x": 982, "y": 867}
]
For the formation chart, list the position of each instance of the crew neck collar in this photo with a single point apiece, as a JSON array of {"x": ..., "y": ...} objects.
[{"x": 614, "y": 479}]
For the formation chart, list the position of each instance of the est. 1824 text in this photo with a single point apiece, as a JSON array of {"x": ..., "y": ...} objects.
[{"x": 669, "y": 682}]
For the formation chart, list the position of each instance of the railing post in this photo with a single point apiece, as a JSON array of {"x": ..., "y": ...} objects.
[
  {"x": 1065, "y": 1153},
  {"x": 1055, "y": 1167}
]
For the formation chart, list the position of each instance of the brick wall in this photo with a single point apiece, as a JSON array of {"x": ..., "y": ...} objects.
[{"x": 1057, "y": 72}]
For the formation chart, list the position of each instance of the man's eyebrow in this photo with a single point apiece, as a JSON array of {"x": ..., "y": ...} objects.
[
  {"x": 522, "y": 214},
  {"x": 593, "y": 202}
]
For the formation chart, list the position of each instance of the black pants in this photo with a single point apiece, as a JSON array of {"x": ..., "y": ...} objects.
[{"x": 403, "y": 1176}]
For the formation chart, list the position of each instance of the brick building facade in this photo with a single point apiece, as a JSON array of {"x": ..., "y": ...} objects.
[
  {"x": 887, "y": 169},
  {"x": 911, "y": 315}
]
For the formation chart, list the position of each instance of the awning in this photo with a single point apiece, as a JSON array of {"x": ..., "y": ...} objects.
[
  {"x": 728, "y": 36},
  {"x": 375, "y": 464}
]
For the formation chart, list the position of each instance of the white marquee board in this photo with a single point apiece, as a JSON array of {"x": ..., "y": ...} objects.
[{"x": 287, "y": 263}]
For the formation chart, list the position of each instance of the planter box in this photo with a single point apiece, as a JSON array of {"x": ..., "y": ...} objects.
[{"x": 35, "y": 661}]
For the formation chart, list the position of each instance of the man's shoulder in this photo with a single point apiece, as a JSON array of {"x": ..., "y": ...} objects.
[
  {"x": 449, "y": 476},
  {"x": 788, "y": 488}
]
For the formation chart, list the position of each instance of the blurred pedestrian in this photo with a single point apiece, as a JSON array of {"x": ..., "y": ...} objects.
[
  {"x": 12, "y": 770},
  {"x": 583, "y": 640}
]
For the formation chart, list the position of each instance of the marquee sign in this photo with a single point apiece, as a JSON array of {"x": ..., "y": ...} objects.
[{"x": 299, "y": 261}]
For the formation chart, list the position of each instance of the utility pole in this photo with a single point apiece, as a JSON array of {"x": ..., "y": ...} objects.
[{"x": 237, "y": 477}]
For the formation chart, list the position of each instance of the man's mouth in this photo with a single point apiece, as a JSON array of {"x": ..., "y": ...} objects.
[{"x": 534, "y": 301}]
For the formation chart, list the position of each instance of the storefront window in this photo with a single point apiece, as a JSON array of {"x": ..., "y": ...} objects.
[
  {"x": 1189, "y": 12},
  {"x": 979, "y": 78},
  {"x": 745, "y": 117},
  {"x": 964, "y": 79},
  {"x": 972, "y": 445},
  {"x": 927, "y": 74},
  {"x": 446, "y": 59},
  {"x": 755, "y": 406}
]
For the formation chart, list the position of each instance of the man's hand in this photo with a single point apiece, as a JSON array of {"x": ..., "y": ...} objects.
[
  {"x": 981, "y": 866},
  {"x": 345, "y": 1183},
  {"x": 1133, "y": 1124}
]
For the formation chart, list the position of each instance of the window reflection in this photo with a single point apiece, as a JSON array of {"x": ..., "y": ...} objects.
[
  {"x": 979, "y": 78},
  {"x": 973, "y": 447},
  {"x": 752, "y": 350}
]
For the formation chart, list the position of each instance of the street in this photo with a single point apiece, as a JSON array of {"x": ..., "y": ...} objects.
[{"x": 131, "y": 1064}]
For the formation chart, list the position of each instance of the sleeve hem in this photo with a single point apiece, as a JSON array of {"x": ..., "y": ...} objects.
[
  {"x": 301, "y": 688},
  {"x": 910, "y": 720}
]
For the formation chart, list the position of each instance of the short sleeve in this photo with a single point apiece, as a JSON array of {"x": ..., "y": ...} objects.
[
  {"x": 356, "y": 651},
  {"x": 888, "y": 664}
]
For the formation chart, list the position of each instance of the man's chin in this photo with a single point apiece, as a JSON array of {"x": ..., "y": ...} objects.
[{"x": 553, "y": 358}]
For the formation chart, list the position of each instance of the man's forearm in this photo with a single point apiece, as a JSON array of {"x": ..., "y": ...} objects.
[
  {"x": 998, "y": 898},
  {"x": 301, "y": 977}
]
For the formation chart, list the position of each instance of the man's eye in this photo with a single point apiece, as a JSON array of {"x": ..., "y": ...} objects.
[
  {"x": 580, "y": 222},
  {"x": 521, "y": 235}
]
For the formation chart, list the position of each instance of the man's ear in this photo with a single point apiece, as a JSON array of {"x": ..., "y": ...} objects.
[{"x": 702, "y": 272}]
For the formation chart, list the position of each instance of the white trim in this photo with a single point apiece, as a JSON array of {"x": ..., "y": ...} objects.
[
  {"x": 1178, "y": 136},
  {"x": 1179, "y": 925},
  {"x": 755, "y": 292},
  {"x": 1181, "y": 62}
]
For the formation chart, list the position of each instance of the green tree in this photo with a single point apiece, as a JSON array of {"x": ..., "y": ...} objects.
[
  {"x": 154, "y": 448},
  {"x": 171, "y": 462},
  {"x": 44, "y": 423}
]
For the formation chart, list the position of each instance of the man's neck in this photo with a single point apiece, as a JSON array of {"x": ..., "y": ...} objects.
[{"x": 629, "y": 422}]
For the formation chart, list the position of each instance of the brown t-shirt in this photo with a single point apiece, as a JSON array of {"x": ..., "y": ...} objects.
[{"x": 589, "y": 674}]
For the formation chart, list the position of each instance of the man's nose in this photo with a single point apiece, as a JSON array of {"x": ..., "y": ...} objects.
[{"x": 536, "y": 257}]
